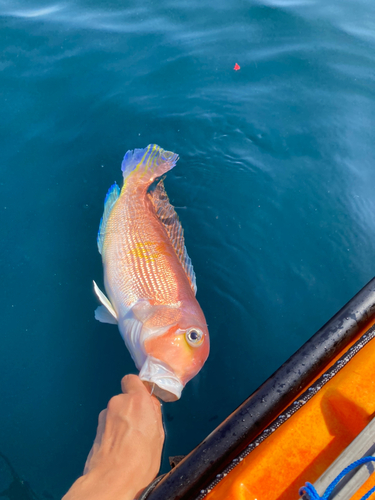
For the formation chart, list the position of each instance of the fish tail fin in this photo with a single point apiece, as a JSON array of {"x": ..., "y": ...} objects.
[{"x": 147, "y": 164}]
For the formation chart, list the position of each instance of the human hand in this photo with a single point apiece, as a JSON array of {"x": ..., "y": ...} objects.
[{"x": 126, "y": 453}]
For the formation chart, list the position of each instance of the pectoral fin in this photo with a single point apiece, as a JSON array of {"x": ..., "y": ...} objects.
[
  {"x": 104, "y": 313},
  {"x": 156, "y": 318}
]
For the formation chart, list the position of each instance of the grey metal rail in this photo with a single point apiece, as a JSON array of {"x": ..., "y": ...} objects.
[{"x": 363, "y": 445}]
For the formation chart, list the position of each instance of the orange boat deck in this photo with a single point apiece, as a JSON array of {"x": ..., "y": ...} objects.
[{"x": 304, "y": 446}]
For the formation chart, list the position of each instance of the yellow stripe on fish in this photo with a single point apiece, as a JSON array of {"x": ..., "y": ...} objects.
[{"x": 146, "y": 250}]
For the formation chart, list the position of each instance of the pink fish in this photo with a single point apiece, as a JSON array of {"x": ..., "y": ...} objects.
[{"x": 149, "y": 278}]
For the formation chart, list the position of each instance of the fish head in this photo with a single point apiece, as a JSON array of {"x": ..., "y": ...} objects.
[{"x": 175, "y": 356}]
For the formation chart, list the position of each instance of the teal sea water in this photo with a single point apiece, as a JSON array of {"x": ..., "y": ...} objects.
[{"x": 275, "y": 189}]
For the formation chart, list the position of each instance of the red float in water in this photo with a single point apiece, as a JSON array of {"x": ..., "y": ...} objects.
[{"x": 236, "y": 67}]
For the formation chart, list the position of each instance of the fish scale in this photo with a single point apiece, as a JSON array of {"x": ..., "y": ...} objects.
[{"x": 142, "y": 263}]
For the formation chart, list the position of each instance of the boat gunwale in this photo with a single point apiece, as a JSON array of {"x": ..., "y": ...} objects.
[{"x": 200, "y": 468}]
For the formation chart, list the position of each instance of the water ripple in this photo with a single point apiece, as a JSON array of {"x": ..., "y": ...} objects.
[
  {"x": 129, "y": 20},
  {"x": 36, "y": 12}
]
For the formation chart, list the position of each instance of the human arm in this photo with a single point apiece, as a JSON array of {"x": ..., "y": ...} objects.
[{"x": 126, "y": 453}]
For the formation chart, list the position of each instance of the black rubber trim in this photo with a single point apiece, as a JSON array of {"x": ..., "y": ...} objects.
[
  {"x": 200, "y": 468},
  {"x": 147, "y": 491}
]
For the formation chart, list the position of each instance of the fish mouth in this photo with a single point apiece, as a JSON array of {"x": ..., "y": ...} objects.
[{"x": 161, "y": 380}]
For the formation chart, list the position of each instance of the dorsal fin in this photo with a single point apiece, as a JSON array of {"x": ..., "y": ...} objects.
[{"x": 169, "y": 218}]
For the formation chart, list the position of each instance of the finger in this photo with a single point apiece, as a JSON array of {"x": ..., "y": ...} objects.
[
  {"x": 132, "y": 384},
  {"x": 159, "y": 417},
  {"x": 97, "y": 441},
  {"x": 101, "y": 425},
  {"x": 157, "y": 404},
  {"x": 89, "y": 460}
]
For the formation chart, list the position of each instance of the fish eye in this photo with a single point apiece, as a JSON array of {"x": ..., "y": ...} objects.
[{"x": 194, "y": 337}]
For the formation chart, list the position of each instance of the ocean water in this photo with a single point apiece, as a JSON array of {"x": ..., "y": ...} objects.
[{"x": 275, "y": 189}]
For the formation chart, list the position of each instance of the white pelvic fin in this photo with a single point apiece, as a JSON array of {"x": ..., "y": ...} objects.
[
  {"x": 104, "y": 316},
  {"x": 105, "y": 313}
]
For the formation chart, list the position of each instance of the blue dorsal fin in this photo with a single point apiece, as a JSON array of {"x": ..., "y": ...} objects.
[
  {"x": 109, "y": 203},
  {"x": 169, "y": 218},
  {"x": 147, "y": 164}
]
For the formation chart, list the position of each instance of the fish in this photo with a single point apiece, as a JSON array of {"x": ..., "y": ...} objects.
[{"x": 149, "y": 279}]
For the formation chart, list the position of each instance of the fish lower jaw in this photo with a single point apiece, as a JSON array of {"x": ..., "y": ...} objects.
[{"x": 161, "y": 380}]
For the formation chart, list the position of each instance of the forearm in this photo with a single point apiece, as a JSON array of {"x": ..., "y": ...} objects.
[
  {"x": 105, "y": 487},
  {"x": 126, "y": 453}
]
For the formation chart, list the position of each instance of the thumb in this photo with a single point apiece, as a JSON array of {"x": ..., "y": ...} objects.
[{"x": 131, "y": 384}]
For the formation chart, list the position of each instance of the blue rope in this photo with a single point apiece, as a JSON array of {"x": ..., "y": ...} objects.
[
  {"x": 313, "y": 494},
  {"x": 368, "y": 494}
]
